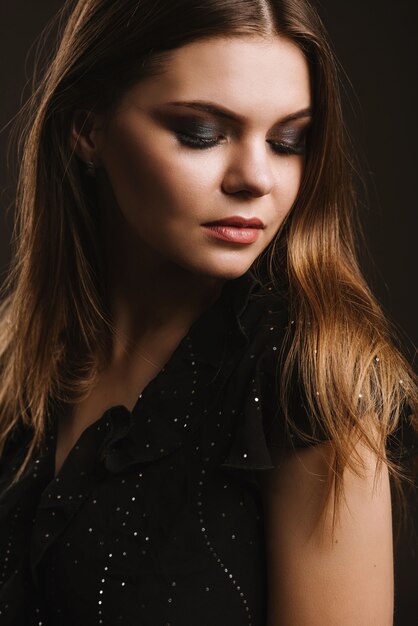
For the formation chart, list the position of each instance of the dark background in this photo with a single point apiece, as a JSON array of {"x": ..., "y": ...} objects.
[{"x": 376, "y": 42}]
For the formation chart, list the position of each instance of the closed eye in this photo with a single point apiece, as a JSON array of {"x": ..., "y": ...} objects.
[
  {"x": 195, "y": 141},
  {"x": 287, "y": 148}
]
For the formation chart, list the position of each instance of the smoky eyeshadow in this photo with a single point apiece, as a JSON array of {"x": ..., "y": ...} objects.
[
  {"x": 290, "y": 134},
  {"x": 207, "y": 129},
  {"x": 192, "y": 125}
]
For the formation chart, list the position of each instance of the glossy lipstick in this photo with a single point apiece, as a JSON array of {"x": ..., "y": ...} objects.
[{"x": 235, "y": 229}]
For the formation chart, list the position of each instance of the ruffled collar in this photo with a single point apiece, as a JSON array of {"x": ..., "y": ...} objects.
[
  {"x": 176, "y": 401},
  {"x": 171, "y": 405},
  {"x": 222, "y": 318}
]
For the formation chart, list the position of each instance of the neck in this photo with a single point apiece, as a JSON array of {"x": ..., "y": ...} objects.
[{"x": 147, "y": 294}]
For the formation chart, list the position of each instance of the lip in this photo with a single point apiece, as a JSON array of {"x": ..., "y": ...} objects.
[
  {"x": 238, "y": 222},
  {"x": 233, "y": 234}
]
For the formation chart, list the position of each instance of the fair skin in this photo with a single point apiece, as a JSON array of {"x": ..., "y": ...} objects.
[
  {"x": 164, "y": 270},
  {"x": 315, "y": 578},
  {"x": 155, "y": 192}
]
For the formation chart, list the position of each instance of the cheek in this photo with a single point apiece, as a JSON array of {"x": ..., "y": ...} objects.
[
  {"x": 136, "y": 172},
  {"x": 149, "y": 173},
  {"x": 294, "y": 178},
  {"x": 289, "y": 181}
]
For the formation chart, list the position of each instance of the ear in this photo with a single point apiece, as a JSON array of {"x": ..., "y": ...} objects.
[{"x": 84, "y": 136}]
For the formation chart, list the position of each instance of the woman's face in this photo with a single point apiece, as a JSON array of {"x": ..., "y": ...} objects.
[{"x": 172, "y": 166}]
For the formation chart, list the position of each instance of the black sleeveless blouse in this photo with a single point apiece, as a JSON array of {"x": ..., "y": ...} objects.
[{"x": 155, "y": 518}]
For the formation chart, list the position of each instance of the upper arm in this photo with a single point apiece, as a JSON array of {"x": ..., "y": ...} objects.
[{"x": 314, "y": 579}]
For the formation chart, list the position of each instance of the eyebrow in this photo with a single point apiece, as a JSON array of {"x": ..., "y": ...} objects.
[{"x": 221, "y": 111}]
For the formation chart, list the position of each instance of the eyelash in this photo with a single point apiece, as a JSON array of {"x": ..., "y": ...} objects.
[{"x": 194, "y": 141}]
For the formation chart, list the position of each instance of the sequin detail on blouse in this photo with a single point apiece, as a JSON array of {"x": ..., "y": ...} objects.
[{"x": 155, "y": 517}]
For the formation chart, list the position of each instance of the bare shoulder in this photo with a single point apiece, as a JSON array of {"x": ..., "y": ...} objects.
[{"x": 314, "y": 578}]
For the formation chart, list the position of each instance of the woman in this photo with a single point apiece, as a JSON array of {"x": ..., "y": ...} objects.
[{"x": 185, "y": 319}]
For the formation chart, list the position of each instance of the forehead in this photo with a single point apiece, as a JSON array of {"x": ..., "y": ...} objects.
[{"x": 256, "y": 77}]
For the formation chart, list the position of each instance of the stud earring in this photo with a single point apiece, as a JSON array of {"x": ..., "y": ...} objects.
[{"x": 90, "y": 169}]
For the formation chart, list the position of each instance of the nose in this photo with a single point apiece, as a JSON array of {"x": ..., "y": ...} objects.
[{"x": 248, "y": 170}]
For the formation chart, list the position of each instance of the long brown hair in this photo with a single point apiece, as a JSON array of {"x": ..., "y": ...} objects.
[{"x": 55, "y": 331}]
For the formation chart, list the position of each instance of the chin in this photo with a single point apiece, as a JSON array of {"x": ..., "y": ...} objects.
[
  {"x": 223, "y": 265},
  {"x": 227, "y": 272}
]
